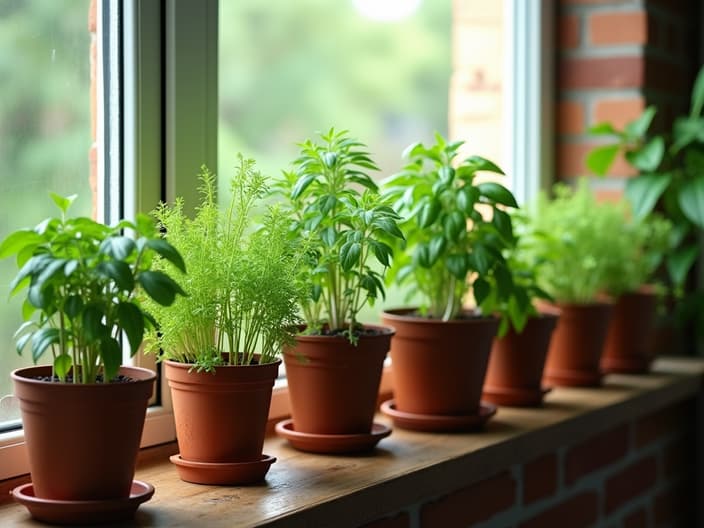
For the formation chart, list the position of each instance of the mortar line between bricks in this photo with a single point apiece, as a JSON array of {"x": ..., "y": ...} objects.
[
  {"x": 633, "y": 6},
  {"x": 604, "y": 51}
]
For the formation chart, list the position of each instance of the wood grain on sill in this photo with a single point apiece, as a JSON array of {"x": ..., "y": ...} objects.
[{"x": 304, "y": 489}]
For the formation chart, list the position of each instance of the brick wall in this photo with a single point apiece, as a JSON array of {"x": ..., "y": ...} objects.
[
  {"x": 637, "y": 475},
  {"x": 614, "y": 58}
]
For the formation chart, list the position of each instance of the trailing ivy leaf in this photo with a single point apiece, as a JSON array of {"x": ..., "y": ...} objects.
[
  {"x": 497, "y": 193},
  {"x": 680, "y": 262},
  {"x": 43, "y": 339},
  {"x": 167, "y": 251},
  {"x": 160, "y": 287},
  {"x": 648, "y": 158},
  {"x": 118, "y": 247},
  {"x": 644, "y": 191},
  {"x": 601, "y": 158},
  {"x": 132, "y": 321},
  {"x": 112, "y": 358},
  {"x": 62, "y": 365},
  {"x": 691, "y": 200}
]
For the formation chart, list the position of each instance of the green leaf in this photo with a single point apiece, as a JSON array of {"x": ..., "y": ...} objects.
[
  {"x": 454, "y": 224},
  {"x": 160, "y": 287},
  {"x": 497, "y": 193},
  {"x": 302, "y": 184},
  {"x": 22, "y": 342},
  {"x": 382, "y": 252},
  {"x": 603, "y": 129},
  {"x": 28, "y": 310},
  {"x": 40, "y": 297},
  {"x": 698, "y": 95},
  {"x": 112, "y": 357},
  {"x": 119, "y": 272},
  {"x": 638, "y": 127},
  {"x": 167, "y": 251},
  {"x": 648, "y": 158},
  {"x": 349, "y": 255},
  {"x": 429, "y": 213},
  {"x": 502, "y": 222},
  {"x": 132, "y": 322},
  {"x": 52, "y": 268},
  {"x": 481, "y": 258},
  {"x": 61, "y": 202},
  {"x": 92, "y": 323},
  {"x": 482, "y": 164},
  {"x": 436, "y": 247},
  {"x": 466, "y": 198},
  {"x": 422, "y": 255},
  {"x": 457, "y": 265},
  {"x": 680, "y": 262},
  {"x": 504, "y": 282},
  {"x": 691, "y": 200},
  {"x": 43, "y": 339},
  {"x": 644, "y": 191},
  {"x": 17, "y": 241},
  {"x": 685, "y": 131},
  {"x": 389, "y": 226},
  {"x": 62, "y": 365},
  {"x": 118, "y": 247},
  {"x": 481, "y": 290},
  {"x": 73, "y": 306},
  {"x": 600, "y": 158},
  {"x": 328, "y": 235},
  {"x": 327, "y": 203}
]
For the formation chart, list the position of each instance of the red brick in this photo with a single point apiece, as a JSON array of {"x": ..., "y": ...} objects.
[
  {"x": 620, "y": 27},
  {"x": 92, "y": 25},
  {"x": 608, "y": 195},
  {"x": 637, "y": 519},
  {"x": 629, "y": 483},
  {"x": 568, "y": 31},
  {"x": 539, "y": 478},
  {"x": 570, "y": 117},
  {"x": 618, "y": 111},
  {"x": 571, "y": 161},
  {"x": 661, "y": 423},
  {"x": 601, "y": 72},
  {"x": 475, "y": 503},
  {"x": 596, "y": 453},
  {"x": 401, "y": 520},
  {"x": 577, "y": 512}
]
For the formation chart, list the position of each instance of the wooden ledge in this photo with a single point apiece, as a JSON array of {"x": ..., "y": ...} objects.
[{"x": 316, "y": 490}]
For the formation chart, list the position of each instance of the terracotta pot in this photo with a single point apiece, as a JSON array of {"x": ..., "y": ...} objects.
[
  {"x": 221, "y": 416},
  {"x": 438, "y": 367},
  {"x": 516, "y": 364},
  {"x": 333, "y": 385},
  {"x": 82, "y": 440},
  {"x": 577, "y": 344},
  {"x": 629, "y": 342}
]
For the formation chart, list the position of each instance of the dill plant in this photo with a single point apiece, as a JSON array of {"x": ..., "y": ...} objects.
[{"x": 241, "y": 284}]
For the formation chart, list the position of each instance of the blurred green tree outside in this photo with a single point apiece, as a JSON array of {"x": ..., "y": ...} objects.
[{"x": 44, "y": 131}]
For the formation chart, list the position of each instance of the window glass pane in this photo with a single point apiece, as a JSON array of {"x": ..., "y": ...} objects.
[
  {"x": 45, "y": 135},
  {"x": 378, "y": 68}
]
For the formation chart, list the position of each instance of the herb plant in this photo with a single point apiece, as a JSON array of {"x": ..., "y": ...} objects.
[
  {"x": 241, "y": 284},
  {"x": 456, "y": 232},
  {"x": 344, "y": 228},
  {"x": 670, "y": 176},
  {"x": 81, "y": 280},
  {"x": 580, "y": 244}
]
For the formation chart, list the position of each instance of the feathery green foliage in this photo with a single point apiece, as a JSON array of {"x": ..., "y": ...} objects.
[
  {"x": 82, "y": 278},
  {"x": 241, "y": 283}
]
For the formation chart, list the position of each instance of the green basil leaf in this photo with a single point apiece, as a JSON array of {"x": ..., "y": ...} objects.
[
  {"x": 644, "y": 191},
  {"x": 691, "y": 200},
  {"x": 600, "y": 158},
  {"x": 43, "y": 339},
  {"x": 167, "y": 251},
  {"x": 497, "y": 193},
  {"x": 112, "y": 358},
  {"x": 160, "y": 287},
  {"x": 131, "y": 321},
  {"x": 62, "y": 365}
]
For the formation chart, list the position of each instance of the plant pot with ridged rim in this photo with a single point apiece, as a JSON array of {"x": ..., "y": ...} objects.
[
  {"x": 90, "y": 453},
  {"x": 515, "y": 371},
  {"x": 577, "y": 344},
  {"x": 629, "y": 341},
  {"x": 221, "y": 419},
  {"x": 220, "y": 345},
  {"x": 438, "y": 367}
]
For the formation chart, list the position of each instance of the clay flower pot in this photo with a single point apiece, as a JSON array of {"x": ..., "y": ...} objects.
[
  {"x": 516, "y": 364},
  {"x": 333, "y": 388},
  {"x": 438, "y": 367},
  {"x": 629, "y": 342},
  {"x": 82, "y": 439},
  {"x": 577, "y": 344},
  {"x": 221, "y": 420}
]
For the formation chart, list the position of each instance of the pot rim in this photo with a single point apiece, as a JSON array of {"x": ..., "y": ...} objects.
[
  {"x": 180, "y": 365},
  {"x": 20, "y": 375},
  {"x": 384, "y": 331},
  {"x": 401, "y": 314}
]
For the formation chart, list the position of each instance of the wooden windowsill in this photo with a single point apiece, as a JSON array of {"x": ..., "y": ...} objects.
[{"x": 316, "y": 490}]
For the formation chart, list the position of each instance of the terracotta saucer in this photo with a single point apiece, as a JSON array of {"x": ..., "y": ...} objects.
[
  {"x": 332, "y": 443},
  {"x": 83, "y": 512},
  {"x": 514, "y": 397},
  {"x": 439, "y": 422},
  {"x": 222, "y": 473},
  {"x": 625, "y": 365},
  {"x": 572, "y": 378}
]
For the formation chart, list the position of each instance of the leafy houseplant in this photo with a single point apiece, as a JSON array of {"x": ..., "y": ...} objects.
[
  {"x": 456, "y": 232},
  {"x": 344, "y": 229},
  {"x": 85, "y": 411},
  {"x": 220, "y": 344}
]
